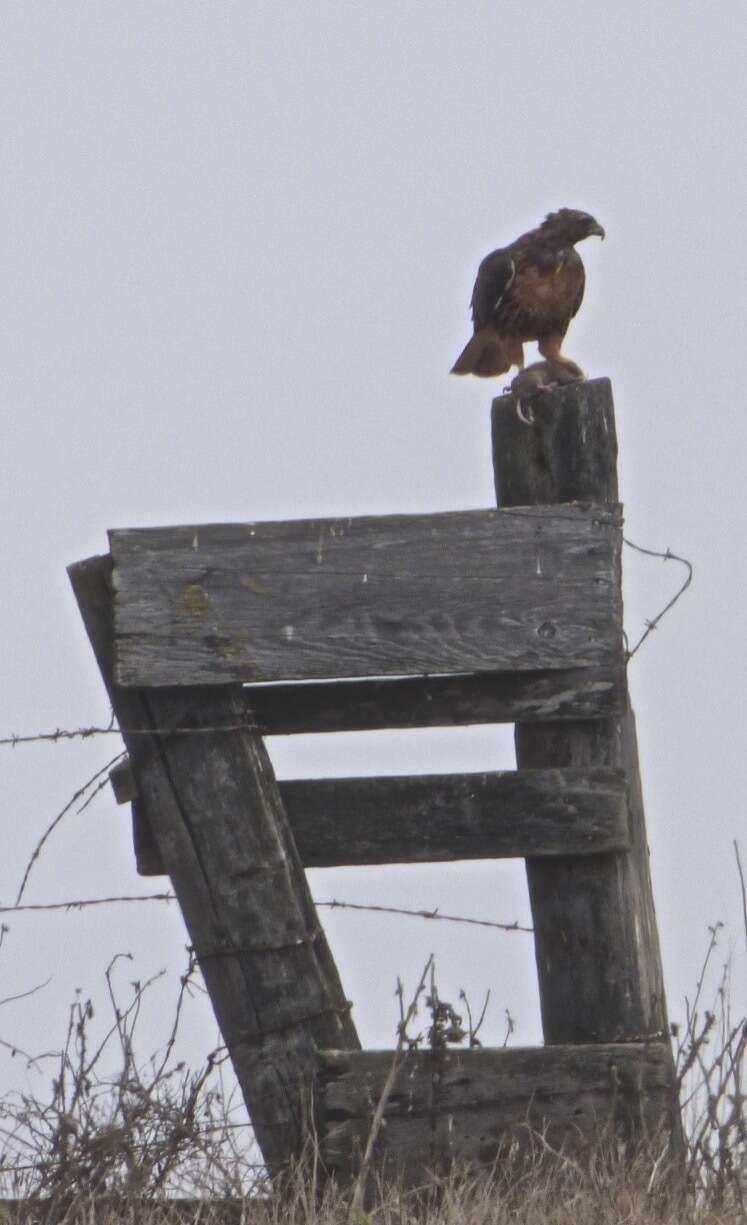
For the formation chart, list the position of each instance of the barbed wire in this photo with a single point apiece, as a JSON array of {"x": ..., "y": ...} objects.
[
  {"x": 87, "y": 733},
  {"x": 667, "y": 555},
  {"x": 81, "y": 903},
  {"x": 334, "y": 904},
  {"x": 426, "y": 914}
]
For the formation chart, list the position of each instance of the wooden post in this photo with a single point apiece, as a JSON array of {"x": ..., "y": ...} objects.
[
  {"x": 222, "y": 835},
  {"x": 596, "y": 941},
  {"x": 529, "y": 628}
]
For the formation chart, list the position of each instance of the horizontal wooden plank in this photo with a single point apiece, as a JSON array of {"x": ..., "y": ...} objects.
[
  {"x": 474, "y": 591},
  {"x": 351, "y": 1080},
  {"x": 437, "y": 701},
  {"x": 467, "y": 1105},
  {"x": 440, "y": 817}
]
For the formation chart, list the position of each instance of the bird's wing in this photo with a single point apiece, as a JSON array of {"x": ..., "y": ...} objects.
[
  {"x": 494, "y": 279},
  {"x": 581, "y": 285}
]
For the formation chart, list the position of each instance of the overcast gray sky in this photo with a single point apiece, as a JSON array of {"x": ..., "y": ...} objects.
[{"x": 238, "y": 244}]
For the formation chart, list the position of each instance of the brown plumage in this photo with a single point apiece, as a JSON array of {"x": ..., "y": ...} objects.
[{"x": 529, "y": 290}]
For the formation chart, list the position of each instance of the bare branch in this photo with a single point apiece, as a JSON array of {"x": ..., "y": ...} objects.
[
  {"x": 742, "y": 887},
  {"x": 53, "y": 824}
]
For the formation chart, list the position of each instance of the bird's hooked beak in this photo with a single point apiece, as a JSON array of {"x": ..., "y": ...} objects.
[{"x": 597, "y": 229}]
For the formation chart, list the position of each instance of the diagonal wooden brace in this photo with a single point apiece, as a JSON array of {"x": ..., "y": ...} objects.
[{"x": 223, "y": 837}]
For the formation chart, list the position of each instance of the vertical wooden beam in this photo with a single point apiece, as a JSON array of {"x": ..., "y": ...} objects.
[
  {"x": 596, "y": 940},
  {"x": 213, "y": 805}
]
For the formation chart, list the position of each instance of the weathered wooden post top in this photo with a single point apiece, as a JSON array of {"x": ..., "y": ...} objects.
[{"x": 210, "y": 637}]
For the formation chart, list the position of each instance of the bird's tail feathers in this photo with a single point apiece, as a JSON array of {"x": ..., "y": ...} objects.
[{"x": 484, "y": 355}]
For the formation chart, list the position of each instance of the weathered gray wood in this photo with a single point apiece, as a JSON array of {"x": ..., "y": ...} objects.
[
  {"x": 123, "y": 782},
  {"x": 568, "y": 455},
  {"x": 467, "y": 1105},
  {"x": 595, "y": 930},
  {"x": 221, "y": 831},
  {"x": 394, "y": 595},
  {"x": 456, "y": 816},
  {"x": 148, "y": 858},
  {"x": 443, "y": 817},
  {"x": 437, "y": 701}
]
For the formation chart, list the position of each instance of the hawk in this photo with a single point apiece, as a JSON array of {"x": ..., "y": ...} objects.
[{"x": 529, "y": 290}]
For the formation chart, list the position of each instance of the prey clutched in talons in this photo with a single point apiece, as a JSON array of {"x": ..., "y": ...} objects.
[{"x": 535, "y": 380}]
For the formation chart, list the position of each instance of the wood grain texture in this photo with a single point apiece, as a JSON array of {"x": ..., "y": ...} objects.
[
  {"x": 595, "y": 929},
  {"x": 467, "y": 1105},
  {"x": 437, "y": 701},
  {"x": 568, "y": 455},
  {"x": 443, "y": 817},
  {"x": 393, "y": 595},
  {"x": 220, "y": 829}
]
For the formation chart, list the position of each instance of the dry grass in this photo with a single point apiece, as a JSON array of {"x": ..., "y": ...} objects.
[
  {"x": 536, "y": 1195},
  {"x": 153, "y": 1142}
]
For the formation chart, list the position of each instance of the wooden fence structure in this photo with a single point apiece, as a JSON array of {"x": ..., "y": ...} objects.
[{"x": 210, "y": 637}]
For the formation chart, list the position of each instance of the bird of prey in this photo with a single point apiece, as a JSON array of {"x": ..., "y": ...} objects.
[{"x": 529, "y": 290}]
